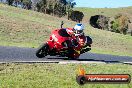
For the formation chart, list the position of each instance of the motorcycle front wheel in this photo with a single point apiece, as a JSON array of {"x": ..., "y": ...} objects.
[{"x": 42, "y": 51}]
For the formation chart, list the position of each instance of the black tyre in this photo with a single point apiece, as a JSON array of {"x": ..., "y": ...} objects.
[
  {"x": 89, "y": 41},
  {"x": 70, "y": 55},
  {"x": 42, "y": 51},
  {"x": 81, "y": 80}
]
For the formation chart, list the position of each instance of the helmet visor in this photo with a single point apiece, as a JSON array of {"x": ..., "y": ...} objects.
[{"x": 79, "y": 31}]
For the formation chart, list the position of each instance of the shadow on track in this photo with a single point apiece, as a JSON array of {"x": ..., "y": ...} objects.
[
  {"x": 98, "y": 60},
  {"x": 65, "y": 58}
]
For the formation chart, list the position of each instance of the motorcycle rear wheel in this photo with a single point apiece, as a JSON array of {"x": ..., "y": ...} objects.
[
  {"x": 42, "y": 51},
  {"x": 71, "y": 56}
]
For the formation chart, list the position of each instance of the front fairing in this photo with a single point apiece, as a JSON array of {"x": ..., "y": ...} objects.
[{"x": 57, "y": 38}]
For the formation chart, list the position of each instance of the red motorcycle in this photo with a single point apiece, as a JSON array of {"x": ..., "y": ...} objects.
[{"x": 62, "y": 44}]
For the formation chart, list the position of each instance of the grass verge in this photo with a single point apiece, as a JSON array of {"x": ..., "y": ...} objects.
[{"x": 42, "y": 75}]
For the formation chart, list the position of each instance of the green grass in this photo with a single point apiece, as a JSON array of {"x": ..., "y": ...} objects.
[
  {"x": 16, "y": 75},
  {"x": 25, "y": 28}
]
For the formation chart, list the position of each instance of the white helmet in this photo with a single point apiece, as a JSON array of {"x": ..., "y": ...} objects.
[{"x": 78, "y": 29}]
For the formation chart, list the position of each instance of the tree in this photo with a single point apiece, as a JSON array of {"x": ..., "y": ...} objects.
[
  {"x": 115, "y": 26},
  {"x": 120, "y": 24},
  {"x": 102, "y": 22},
  {"x": 63, "y": 1},
  {"x": 52, "y": 6},
  {"x": 27, "y": 4},
  {"x": 10, "y": 2},
  {"x": 69, "y": 6},
  {"x": 44, "y": 5},
  {"x": 34, "y": 4},
  {"x": 76, "y": 16},
  {"x": 59, "y": 9},
  {"x": 56, "y": 7}
]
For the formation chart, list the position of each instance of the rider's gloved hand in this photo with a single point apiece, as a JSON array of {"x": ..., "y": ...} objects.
[{"x": 74, "y": 42}]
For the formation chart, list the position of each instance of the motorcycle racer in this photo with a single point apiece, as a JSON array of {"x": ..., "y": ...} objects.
[
  {"x": 79, "y": 38},
  {"x": 78, "y": 34},
  {"x": 69, "y": 42}
]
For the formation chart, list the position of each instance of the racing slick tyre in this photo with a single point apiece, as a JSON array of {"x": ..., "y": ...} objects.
[
  {"x": 42, "y": 51},
  {"x": 71, "y": 56},
  {"x": 88, "y": 41}
]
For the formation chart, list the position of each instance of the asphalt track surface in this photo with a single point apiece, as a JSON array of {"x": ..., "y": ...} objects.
[{"x": 17, "y": 54}]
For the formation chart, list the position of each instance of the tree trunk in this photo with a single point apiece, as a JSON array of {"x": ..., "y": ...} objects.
[
  {"x": 131, "y": 32},
  {"x": 68, "y": 16},
  {"x": 53, "y": 12},
  {"x": 45, "y": 10}
]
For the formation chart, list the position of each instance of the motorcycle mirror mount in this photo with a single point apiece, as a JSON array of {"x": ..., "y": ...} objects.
[{"x": 62, "y": 24}]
